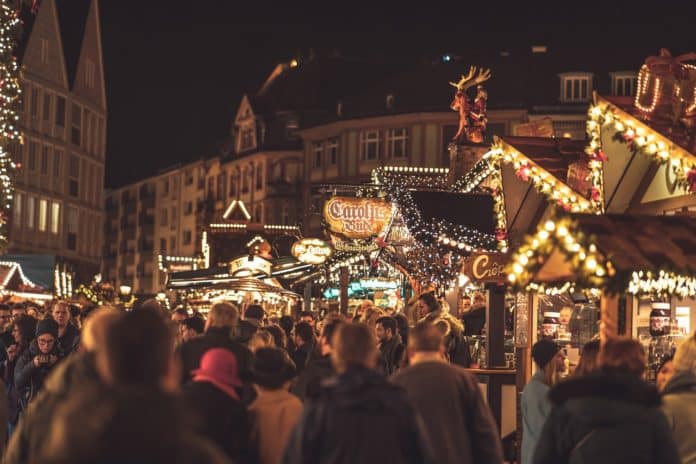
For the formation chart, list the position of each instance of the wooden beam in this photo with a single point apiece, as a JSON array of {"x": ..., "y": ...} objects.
[{"x": 609, "y": 325}]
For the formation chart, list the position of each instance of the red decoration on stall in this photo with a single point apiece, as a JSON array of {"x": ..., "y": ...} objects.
[
  {"x": 599, "y": 155},
  {"x": 501, "y": 234},
  {"x": 595, "y": 194},
  {"x": 523, "y": 173},
  {"x": 691, "y": 180}
]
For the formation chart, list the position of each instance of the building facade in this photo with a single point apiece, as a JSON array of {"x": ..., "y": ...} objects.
[{"x": 58, "y": 202}]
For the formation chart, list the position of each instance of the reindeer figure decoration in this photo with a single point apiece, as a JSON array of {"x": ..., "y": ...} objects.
[{"x": 472, "y": 118}]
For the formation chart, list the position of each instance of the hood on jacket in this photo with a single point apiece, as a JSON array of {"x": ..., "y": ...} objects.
[
  {"x": 606, "y": 398},
  {"x": 681, "y": 382}
]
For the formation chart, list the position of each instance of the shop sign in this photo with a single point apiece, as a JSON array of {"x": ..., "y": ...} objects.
[
  {"x": 353, "y": 245},
  {"x": 311, "y": 250},
  {"x": 486, "y": 267},
  {"x": 249, "y": 266},
  {"x": 357, "y": 218},
  {"x": 180, "y": 267},
  {"x": 378, "y": 284}
]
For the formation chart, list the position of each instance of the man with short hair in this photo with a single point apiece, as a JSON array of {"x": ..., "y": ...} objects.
[
  {"x": 459, "y": 425},
  {"x": 191, "y": 327},
  {"x": 359, "y": 416},
  {"x": 68, "y": 334},
  {"x": 309, "y": 318},
  {"x": 222, "y": 318},
  {"x": 309, "y": 381},
  {"x": 304, "y": 341},
  {"x": 390, "y": 346},
  {"x": 5, "y": 329},
  {"x": 18, "y": 310}
]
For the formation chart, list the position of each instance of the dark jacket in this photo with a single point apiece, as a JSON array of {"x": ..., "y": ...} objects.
[
  {"x": 606, "y": 417},
  {"x": 301, "y": 356},
  {"x": 458, "y": 423},
  {"x": 70, "y": 339},
  {"x": 13, "y": 400},
  {"x": 125, "y": 425},
  {"x": 358, "y": 418},
  {"x": 216, "y": 337},
  {"x": 308, "y": 383},
  {"x": 219, "y": 417},
  {"x": 28, "y": 378},
  {"x": 679, "y": 406},
  {"x": 474, "y": 320},
  {"x": 391, "y": 354},
  {"x": 75, "y": 373}
]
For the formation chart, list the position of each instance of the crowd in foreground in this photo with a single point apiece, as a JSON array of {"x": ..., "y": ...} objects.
[{"x": 108, "y": 385}]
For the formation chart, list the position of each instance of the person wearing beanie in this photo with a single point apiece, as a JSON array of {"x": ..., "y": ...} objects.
[
  {"x": 535, "y": 402},
  {"x": 37, "y": 361},
  {"x": 213, "y": 399},
  {"x": 275, "y": 411},
  {"x": 679, "y": 400}
]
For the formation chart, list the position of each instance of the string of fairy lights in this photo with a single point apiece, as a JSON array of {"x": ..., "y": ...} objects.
[
  {"x": 641, "y": 139},
  {"x": 10, "y": 93}
]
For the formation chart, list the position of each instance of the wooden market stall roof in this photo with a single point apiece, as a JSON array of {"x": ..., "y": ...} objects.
[
  {"x": 643, "y": 159},
  {"x": 618, "y": 253}
]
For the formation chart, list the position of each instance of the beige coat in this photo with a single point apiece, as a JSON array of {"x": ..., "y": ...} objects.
[{"x": 273, "y": 415}]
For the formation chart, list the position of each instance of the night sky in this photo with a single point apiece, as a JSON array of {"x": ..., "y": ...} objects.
[{"x": 176, "y": 71}]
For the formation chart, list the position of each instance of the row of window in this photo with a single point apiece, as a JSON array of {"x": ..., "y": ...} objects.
[
  {"x": 47, "y": 160},
  {"x": 164, "y": 214},
  {"x": 40, "y": 214},
  {"x": 86, "y": 127},
  {"x": 395, "y": 140},
  {"x": 325, "y": 152},
  {"x": 578, "y": 88}
]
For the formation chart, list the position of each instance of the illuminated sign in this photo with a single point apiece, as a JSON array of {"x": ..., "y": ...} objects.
[
  {"x": 379, "y": 284},
  {"x": 352, "y": 245},
  {"x": 357, "y": 218},
  {"x": 485, "y": 267},
  {"x": 311, "y": 250},
  {"x": 249, "y": 266}
]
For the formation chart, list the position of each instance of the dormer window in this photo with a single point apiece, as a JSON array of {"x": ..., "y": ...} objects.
[
  {"x": 389, "y": 102},
  {"x": 623, "y": 84},
  {"x": 576, "y": 87},
  {"x": 247, "y": 140}
]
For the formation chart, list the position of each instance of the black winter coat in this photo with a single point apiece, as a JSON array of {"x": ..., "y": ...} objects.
[
  {"x": 358, "y": 418},
  {"x": 220, "y": 418},
  {"x": 70, "y": 339},
  {"x": 607, "y": 418},
  {"x": 28, "y": 378},
  {"x": 308, "y": 383}
]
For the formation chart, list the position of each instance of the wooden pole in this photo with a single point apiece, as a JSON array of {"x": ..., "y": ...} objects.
[
  {"x": 344, "y": 277},
  {"x": 609, "y": 325}
]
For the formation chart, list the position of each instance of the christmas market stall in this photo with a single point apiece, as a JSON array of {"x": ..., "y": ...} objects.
[
  {"x": 632, "y": 275},
  {"x": 645, "y": 146}
]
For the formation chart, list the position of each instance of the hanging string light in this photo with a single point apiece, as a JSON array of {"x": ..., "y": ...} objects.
[{"x": 9, "y": 119}]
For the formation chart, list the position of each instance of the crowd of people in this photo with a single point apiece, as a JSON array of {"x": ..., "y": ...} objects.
[{"x": 88, "y": 385}]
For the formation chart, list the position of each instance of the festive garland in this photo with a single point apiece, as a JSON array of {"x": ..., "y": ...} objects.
[
  {"x": 9, "y": 98},
  {"x": 640, "y": 138},
  {"x": 427, "y": 233},
  {"x": 563, "y": 235}
]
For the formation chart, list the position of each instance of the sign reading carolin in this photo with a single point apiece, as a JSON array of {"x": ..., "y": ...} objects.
[
  {"x": 311, "y": 250},
  {"x": 357, "y": 217}
]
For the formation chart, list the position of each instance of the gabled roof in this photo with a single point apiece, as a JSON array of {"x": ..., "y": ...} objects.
[{"x": 554, "y": 155}]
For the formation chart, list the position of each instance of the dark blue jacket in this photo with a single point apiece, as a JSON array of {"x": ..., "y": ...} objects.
[{"x": 358, "y": 417}]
